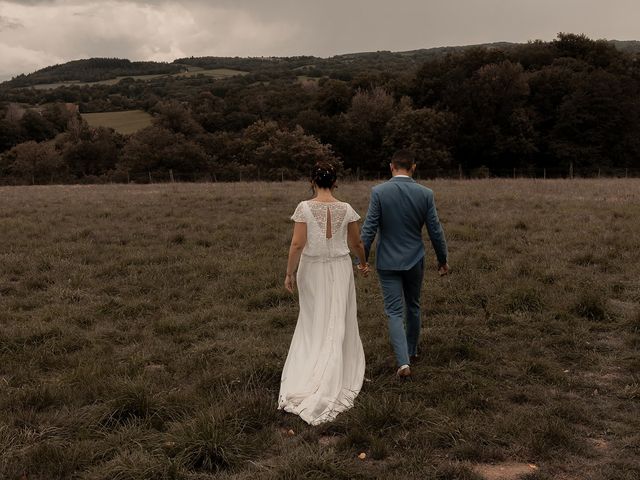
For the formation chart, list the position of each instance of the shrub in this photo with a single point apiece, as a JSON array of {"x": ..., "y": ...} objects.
[
  {"x": 213, "y": 442},
  {"x": 591, "y": 305},
  {"x": 525, "y": 299}
]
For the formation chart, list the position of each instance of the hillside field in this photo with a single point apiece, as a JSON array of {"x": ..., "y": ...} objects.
[
  {"x": 122, "y": 122},
  {"x": 143, "y": 329},
  {"x": 210, "y": 72},
  {"x": 193, "y": 72}
]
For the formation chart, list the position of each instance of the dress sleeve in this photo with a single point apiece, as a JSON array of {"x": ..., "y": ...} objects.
[
  {"x": 298, "y": 215},
  {"x": 352, "y": 215}
]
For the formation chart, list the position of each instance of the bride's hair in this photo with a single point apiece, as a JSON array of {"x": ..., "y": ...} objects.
[{"x": 324, "y": 175}]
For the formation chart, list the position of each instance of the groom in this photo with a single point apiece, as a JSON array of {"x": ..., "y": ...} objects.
[{"x": 398, "y": 209}]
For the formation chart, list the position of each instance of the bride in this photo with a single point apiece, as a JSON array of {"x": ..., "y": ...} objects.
[{"x": 324, "y": 369}]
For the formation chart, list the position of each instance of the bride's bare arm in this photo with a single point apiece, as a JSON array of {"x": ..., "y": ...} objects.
[
  {"x": 298, "y": 241},
  {"x": 356, "y": 246}
]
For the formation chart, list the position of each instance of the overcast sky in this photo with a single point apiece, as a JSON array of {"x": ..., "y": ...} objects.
[{"x": 37, "y": 33}]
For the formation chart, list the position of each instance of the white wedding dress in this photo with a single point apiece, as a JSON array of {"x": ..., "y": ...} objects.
[{"x": 324, "y": 369}]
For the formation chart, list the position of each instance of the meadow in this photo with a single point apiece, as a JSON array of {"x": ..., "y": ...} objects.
[
  {"x": 193, "y": 72},
  {"x": 126, "y": 122},
  {"x": 143, "y": 329}
]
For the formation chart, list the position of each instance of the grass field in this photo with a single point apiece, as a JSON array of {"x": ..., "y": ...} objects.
[
  {"x": 212, "y": 72},
  {"x": 143, "y": 329},
  {"x": 193, "y": 72},
  {"x": 111, "y": 81},
  {"x": 126, "y": 122}
]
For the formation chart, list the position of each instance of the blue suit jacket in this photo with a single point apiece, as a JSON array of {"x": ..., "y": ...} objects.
[{"x": 397, "y": 212}]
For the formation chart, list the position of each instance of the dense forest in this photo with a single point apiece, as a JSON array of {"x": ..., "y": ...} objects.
[{"x": 569, "y": 105}]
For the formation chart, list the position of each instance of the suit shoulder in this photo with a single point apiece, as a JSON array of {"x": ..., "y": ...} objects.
[
  {"x": 427, "y": 190},
  {"x": 424, "y": 190},
  {"x": 378, "y": 188}
]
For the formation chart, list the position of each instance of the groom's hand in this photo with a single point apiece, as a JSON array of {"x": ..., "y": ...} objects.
[
  {"x": 443, "y": 269},
  {"x": 364, "y": 269}
]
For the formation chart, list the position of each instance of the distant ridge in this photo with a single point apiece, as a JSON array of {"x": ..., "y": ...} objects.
[
  {"x": 100, "y": 69},
  {"x": 629, "y": 46},
  {"x": 92, "y": 70}
]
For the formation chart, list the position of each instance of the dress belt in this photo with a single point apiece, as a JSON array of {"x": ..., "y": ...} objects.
[{"x": 313, "y": 259}]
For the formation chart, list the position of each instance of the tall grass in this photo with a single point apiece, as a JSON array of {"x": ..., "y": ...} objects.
[{"x": 143, "y": 330}]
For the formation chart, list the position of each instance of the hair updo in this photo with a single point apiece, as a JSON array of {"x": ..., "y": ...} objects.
[{"x": 324, "y": 175}]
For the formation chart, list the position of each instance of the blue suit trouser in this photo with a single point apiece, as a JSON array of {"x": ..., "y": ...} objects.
[{"x": 401, "y": 291}]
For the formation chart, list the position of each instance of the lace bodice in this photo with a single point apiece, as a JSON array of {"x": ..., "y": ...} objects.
[{"x": 325, "y": 240}]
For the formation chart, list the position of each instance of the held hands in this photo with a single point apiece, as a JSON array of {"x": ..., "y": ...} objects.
[
  {"x": 364, "y": 269},
  {"x": 290, "y": 279},
  {"x": 289, "y": 283}
]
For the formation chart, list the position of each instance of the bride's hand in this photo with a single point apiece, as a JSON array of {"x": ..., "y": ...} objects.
[
  {"x": 289, "y": 283},
  {"x": 364, "y": 270}
]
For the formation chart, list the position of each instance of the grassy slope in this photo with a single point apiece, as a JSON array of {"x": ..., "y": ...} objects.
[
  {"x": 123, "y": 122},
  {"x": 211, "y": 72},
  {"x": 143, "y": 330},
  {"x": 214, "y": 72}
]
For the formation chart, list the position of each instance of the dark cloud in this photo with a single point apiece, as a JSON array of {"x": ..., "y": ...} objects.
[{"x": 34, "y": 33}]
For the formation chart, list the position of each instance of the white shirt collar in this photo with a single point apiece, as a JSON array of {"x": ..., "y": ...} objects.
[{"x": 403, "y": 176}]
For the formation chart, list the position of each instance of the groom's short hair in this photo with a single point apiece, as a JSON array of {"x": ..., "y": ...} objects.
[{"x": 403, "y": 159}]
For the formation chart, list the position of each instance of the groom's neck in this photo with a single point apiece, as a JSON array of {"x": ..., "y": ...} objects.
[{"x": 395, "y": 173}]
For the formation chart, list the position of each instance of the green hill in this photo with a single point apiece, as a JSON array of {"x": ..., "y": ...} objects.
[
  {"x": 630, "y": 46},
  {"x": 112, "y": 70},
  {"x": 92, "y": 70}
]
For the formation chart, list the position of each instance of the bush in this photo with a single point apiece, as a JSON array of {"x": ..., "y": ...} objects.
[
  {"x": 213, "y": 442},
  {"x": 592, "y": 306},
  {"x": 525, "y": 299}
]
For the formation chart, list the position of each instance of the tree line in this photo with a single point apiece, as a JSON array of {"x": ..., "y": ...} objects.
[{"x": 573, "y": 102}]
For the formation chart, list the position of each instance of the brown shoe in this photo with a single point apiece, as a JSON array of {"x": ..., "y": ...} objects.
[{"x": 404, "y": 371}]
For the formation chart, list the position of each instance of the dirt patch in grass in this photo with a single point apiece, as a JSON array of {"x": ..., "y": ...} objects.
[{"x": 505, "y": 471}]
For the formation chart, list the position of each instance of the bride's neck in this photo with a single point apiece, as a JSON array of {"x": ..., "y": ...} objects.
[{"x": 324, "y": 194}]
